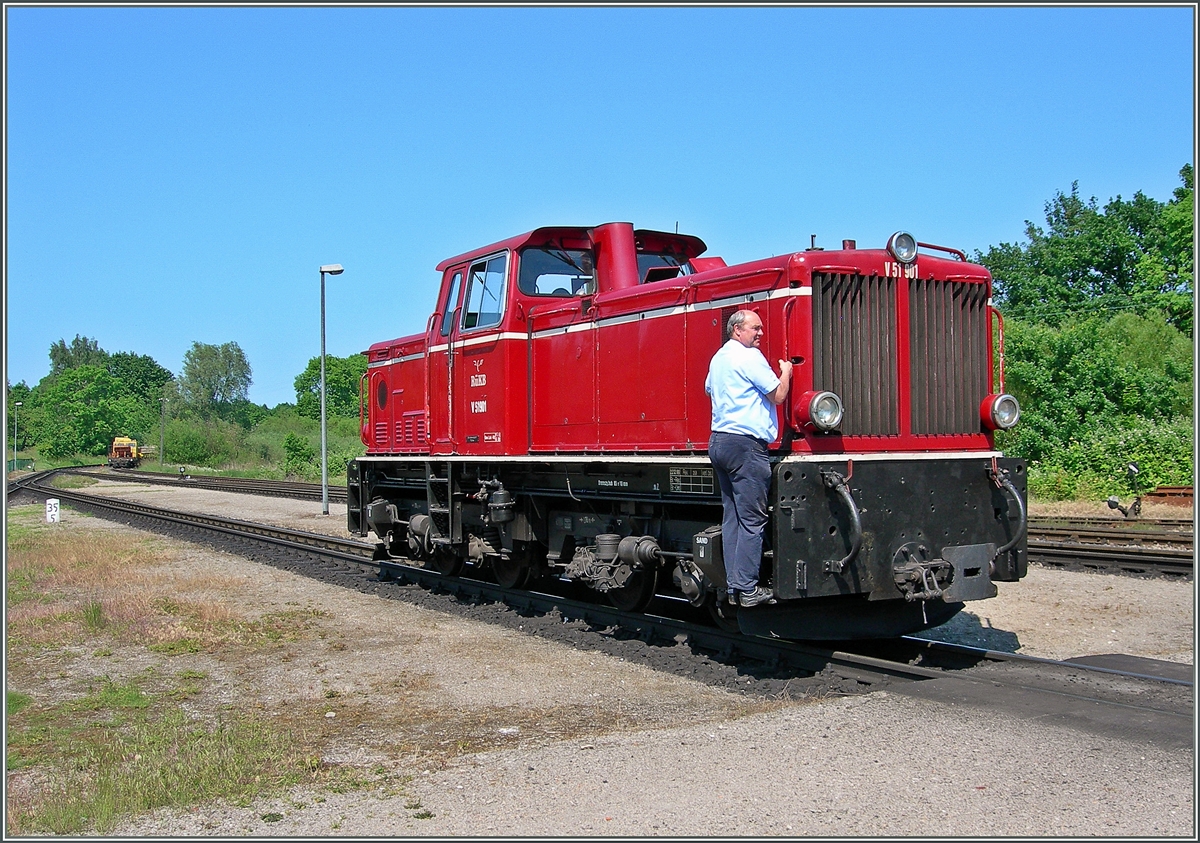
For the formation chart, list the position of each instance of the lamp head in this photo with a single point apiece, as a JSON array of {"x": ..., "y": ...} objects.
[{"x": 332, "y": 269}]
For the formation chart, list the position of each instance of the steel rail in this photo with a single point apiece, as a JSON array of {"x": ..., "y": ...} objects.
[
  {"x": 771, "y": 652},
  {"x": 1075, "y": 527},
  {"x": 1103, "y": 522},
  {"x": 1089, "y": 556},
  {"x": 999, "y": 655},
  {"x": 1130, "y": 560},
  {"x": 1174, "y": 538},
  {"x": 855, "y": 666},
  {"x": 250, "y": 485}
]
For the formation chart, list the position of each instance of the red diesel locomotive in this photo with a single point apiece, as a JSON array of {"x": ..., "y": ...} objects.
[{"x": 552, "y": 421}]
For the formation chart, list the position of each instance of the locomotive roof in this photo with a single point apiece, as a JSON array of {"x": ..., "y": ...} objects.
[{"x": 579, "y": 237}]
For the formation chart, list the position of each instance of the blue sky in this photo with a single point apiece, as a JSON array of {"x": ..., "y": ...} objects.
[{"x": 177, "y": 175}]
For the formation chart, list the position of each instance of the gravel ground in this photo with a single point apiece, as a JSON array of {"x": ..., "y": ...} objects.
[{"x": 668, "y": 756}]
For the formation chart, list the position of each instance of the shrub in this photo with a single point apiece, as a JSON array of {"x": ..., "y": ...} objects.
[
  {"x": 194, "y": 442},
  {"x": 1093, "y": 467},
  {"x": 299, "y": 457}
]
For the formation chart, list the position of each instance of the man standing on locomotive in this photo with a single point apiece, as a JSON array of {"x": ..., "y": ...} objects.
[{"x": 744, "y": 392}]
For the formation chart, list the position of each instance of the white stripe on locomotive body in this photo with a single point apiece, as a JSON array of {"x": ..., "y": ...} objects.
[
  {"x": 608, "y": 458},
  {"x": 624, "y": 319}
]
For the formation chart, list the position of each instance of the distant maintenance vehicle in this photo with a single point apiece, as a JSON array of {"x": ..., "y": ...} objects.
[{"x": 125, "y": 453}]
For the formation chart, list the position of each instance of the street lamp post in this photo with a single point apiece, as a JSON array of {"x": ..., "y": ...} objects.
[
  {"x": 331, "y": 269},
  {"x": 18, "y": 404}
]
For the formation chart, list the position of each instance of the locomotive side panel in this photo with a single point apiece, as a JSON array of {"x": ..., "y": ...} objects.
[
  {"x": 563, "y": 374},
  {"x": 641, "y": 374},
  {"x": 714, "y": 300},
  {"x": 395, "y": 418}
]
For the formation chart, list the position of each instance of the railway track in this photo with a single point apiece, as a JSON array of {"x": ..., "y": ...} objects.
[
  {"x": 245, "y": 485},
  {"x": 1146, "y": 547},
  {"x": 1103, "y": 694}
]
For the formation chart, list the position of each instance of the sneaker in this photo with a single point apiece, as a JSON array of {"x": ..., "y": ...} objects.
[{"x": 756, "y": 597}]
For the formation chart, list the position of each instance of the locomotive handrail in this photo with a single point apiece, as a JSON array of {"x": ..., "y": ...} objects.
[
  {"x": 787, "y": 315},
  {"x": 430, "y": 324},
  {"x": 837, "y": 482},
  {"x": 836, "y": 269},
  {"x": 994, "y": 312},
  {"x": 1000, "y": 477},
  {"x": 629, "y": 299},
  {"x": 961, "y": 256},
  {"x": 361, "y": 415},
  {"x": 749, "y": 273}
]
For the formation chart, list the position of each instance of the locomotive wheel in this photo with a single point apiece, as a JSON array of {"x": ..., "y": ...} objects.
[
  {"x": 723, "y": 613},
  {"x": 523, "y": 566},
  {"x": 445, "y": 562},
  {"x": 511, "y": 571},
  {"x": 636, "y": 595}
]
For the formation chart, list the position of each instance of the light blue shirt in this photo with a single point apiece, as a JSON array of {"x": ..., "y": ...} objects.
[{"x": 739, "y": 379}]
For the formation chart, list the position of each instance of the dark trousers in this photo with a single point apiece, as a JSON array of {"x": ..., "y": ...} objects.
[{"x": 744, "y": 473}]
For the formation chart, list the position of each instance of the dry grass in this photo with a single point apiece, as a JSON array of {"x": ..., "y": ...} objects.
[
  {"x": 123, "y": 645},
  {"x": 80, "y": 744},
  {"x": 61, "y": 586}
]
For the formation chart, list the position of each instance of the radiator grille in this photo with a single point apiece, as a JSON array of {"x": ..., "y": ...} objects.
[
  {"x": 948, "y": 355},
  {"x": 855, "y": 349},
  {"x": 381, "y": 433},
  {"x": 410, "y": 430}
]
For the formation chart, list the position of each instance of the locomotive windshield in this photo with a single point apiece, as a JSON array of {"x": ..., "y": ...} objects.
[{"x": 556, "y": 272}]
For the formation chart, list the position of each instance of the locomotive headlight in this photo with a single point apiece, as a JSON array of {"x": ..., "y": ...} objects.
[
  {"x": 823, "y": 410},
  {"x": 1000, "y": 412},
  {"x": 903, "y": 247}
]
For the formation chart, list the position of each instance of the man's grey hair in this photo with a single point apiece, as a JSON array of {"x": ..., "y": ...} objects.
[{"x": 735, "y": 320}]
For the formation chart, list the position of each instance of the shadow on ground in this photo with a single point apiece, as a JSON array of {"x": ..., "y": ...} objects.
[{"x": 966, "y": 628}]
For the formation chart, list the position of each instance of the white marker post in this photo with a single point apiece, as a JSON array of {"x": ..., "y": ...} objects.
[{"x": 51, "y": 510}]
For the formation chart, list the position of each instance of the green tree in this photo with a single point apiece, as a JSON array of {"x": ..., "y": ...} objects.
[
  {"x": 18, "y": 392},
  {"x": 83, "y": 409},
  {"x": 1131, "y": 255},
  {"x": 140, "y": 375},
  {"x": 214, "y": 378},
  {"x": 18, "y": 417},
  {"x": 342, "y": 376},
  {"x": 83, "y": 351}
]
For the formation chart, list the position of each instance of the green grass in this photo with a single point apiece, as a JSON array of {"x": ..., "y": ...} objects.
[
  {"x": 120, "y": 750},
  {"x": 226, "y": 449},
  {"x": 177, "y": 647},
  {"x": 15, "y": 702},
  {"x": 42, "y": 462},
  {"x": 20, "y": 587},
  {"x": 72, "y": 481},
  {"x": 93, "y": 616}
]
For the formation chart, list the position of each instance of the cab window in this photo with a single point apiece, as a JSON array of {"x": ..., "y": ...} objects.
[
  {"x": 556, "y": 272},
  {"x": 485, "y": 293},
  {"x": 451, "y": 301},
  {"x": 660, "y": 267}
]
